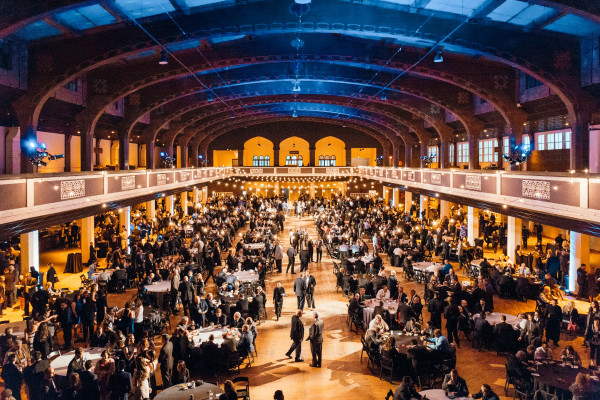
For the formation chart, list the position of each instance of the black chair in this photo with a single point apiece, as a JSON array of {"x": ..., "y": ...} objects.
[
  {"x": 389, "y": 395},
  {"x": 386, "y": 364},
  {"x": 244, "y": 391},
  {"x": 365, "y": 347},
  {"x": 234, "y": 361}
]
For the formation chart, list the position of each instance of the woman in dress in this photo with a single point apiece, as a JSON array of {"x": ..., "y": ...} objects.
[
  {"x": 105, "y": 367},
  {"x": 593, "y": 339},
  {"x": 141, "y": 379},
  {"x": 41, "y": 340}
]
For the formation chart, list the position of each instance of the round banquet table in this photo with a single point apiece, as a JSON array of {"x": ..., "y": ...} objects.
[
  {"x": 246, "y": 276},
  {"x": 199, "y": 392},
  {"x": 199, "y": 336},
  {"x": 369, "y": 308},
  {"x": 494, "y": 318},
  {"x": 96, "y": 275},
  {"x": 159, "y": 287},
  {"x": 61, "y": 363},
  {"x": 438, "y": 394}
]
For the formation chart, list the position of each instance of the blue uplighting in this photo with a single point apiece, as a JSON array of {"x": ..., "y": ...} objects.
[
  {"x": 574, "y": 25},
  {"x": 86, "y": 18},
  {"x": 148, "y": 8},
  {"x": 37, "y": 30}
]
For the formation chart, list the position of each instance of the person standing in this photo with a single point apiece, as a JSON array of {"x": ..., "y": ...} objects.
[
  {"x": 119, "y": 383},
  {"x": 297, "y": 335},
  {"x": 66, "y": 319},
  {"x": 304, "y": 256},
  {"x": 311, "y": 251},
  {"x": 291, "y": 253},
  {"x": 319, "y": 247},
  {"x": 278, "y": 256},
  {"x": 278, "y": 295},
  {"x": 310, "y": 290},
  {"x": 451, "y": 313},
  {"x": 300, "y": 291},
  {"x": 186, "y": 293},
  {"x": 165, "y": 358},
  {"x": 315, "y": 335}
]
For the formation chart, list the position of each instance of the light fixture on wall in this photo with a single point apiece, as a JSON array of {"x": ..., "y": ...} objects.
[
  {"x": 296, "y": 87},
  {"x": 438, "y": 56}
]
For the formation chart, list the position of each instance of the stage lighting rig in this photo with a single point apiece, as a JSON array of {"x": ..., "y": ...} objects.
[
  {"x": 428, "y": 159},
  {"x": 38, "y": 154},
  {"x": 166, "y": 160},
  {"x": 517, "y": 157}
]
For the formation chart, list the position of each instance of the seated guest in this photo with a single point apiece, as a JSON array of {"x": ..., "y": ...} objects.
[
  {"x": 354, "y": 308},
  {"x": 583, "y": 388},
  {"x": 402, "y": 297},
  {"x": 483, "y": 306},
  {"x": 485, "y": 393},
  {"x": 417, "y": 352},
  {"x": 570, "y": 356},
  {"x": 524, "y": 270},
  {"x": 438, "y": 342},
  {"x": 543, "y": 352},
  {"x": 383, "y": 293},
  {"x": 76, "y": 364},
  {"x": 230, "y": 393},
  {"x": 186, "y": 324},
  {"x": 517, "y": 368},
  {"x": 373, "y": 338},
  {"x": 406, "y": 390},
  {"x": 245, "y": 345},
  {"x": 378, "y": 322},
  {"x": 504, "y": 334},
  {"x": 219, "y": 319},
  {"x": 412, "y": 325},
  {"x": 482, "y": 329},
  {"x": 451, "y": 277},
  {"x": 237, "y": 321},
  {"x": 454, "y": 385},
  {"x": 182, "y": 374}
]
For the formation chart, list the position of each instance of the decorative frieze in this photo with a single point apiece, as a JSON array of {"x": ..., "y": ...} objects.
[
  {"x": 536, "y": 189},
  {"x": 161, "y": 179},
  {"x": 72, "y": 189},
  {"x": 436, "y": 179},
  {"x": 128, "y": 182},
  {"x": 473, "y": 182}
]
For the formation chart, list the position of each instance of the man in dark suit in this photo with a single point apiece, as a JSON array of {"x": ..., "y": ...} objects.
[
  {"x": 12, "y": 377},
  {"x": 297, "y": 335},
  {"x": 77, "y": 363},
  {"x": 119, "y": 383},
  {"x": 66, "y": 319},
  {"x": 359, "y": 266},
  {"x": 89, "y": 382},
  {"x": 315, "y": 335},
  {"x": 300, "y": 290},
  {"x": 504, "y": 334},
  {"x": 310, "y": 290},
  {"x": 291, "y": 253},
  {"x": 278, "y": 295},
  {"x": 451, "y": 313},
  {"x": 165, "y": 358},
  {"x": 186, "y": 292}
]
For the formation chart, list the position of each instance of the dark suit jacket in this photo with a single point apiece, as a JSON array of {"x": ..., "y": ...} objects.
[
  {"x": 89, "y": 385},
  {"x": 297, "y": 329},
  {"x": 119, "y": 385},
  {"x": 186, "y": 290},
  {"x": 315, "y": 332},
  {"x": 406, "y": 393},
  {"x": 311, "y": 285},
  {"x": 165, "y": 357},
  {"x": 299, "y": 286}
]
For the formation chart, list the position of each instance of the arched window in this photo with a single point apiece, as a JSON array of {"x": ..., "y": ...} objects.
[
  {"x": 327, "y": 161},
  {"x": 261, "y": 162},
  {"x": 288, "y": 160},
  {"x": 299, "y": 163},
  {"x": 332, "y": 161},
  {"x": 255, "y": 161},
  {"x": 267, "y": 161}
]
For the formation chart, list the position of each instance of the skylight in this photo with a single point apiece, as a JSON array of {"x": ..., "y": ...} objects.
[
  {"x": 37, "y": 30},
  {"x": 85, "y": 17},
  {"x": 462, "y": 7},
  {"x": 574, "y": 25},
  {"x": 532, "y": 14},
  {"x": 507, "y": 10},
  {"x": 145, "y": 8},
  {"x": 198, "y": 3}
]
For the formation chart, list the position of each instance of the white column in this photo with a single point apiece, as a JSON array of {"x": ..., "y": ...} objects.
[
  {"x": 169, "y": 201},
  {"x": 87, "y": 237},
  {"x": 424, "y": 205},
  {"x": 195, "y": 195},
  {"x": 204, "y": 195},
  {"x": 125, "y": 220},
  {"x": 395, "y": 197},
  {"x": 407, "y": 201},
  {"x": 184, "y": 202},
  {"x": 30, "y": 251},
  {"x": 472, "y": 224},
  {"x": 151, "y": 210},
  {"x": 386, "y": 194},
  {"x": 579, "y": 254},
  {"x": 514, "y": 236},
  {"x": 594, "y": 149},
  {"x": 444, "y": 209}
]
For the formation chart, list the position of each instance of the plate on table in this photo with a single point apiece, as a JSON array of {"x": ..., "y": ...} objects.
[{"x": 535, "y": 374}]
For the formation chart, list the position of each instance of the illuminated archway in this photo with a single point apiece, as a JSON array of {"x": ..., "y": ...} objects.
[
  {"x": 330, "y": 151},
  {"x": 256, "y": 148},
  {"x": 292, "y": 149}
]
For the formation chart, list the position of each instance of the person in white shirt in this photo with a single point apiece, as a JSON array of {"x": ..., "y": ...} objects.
[
  {"x": 138, "y": 322},
  {"x": 383, "y": 293},
  {"x": 378, "y": 322},
  {"x": 524, "y": 270}
]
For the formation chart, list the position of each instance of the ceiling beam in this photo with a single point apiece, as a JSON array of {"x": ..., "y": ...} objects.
[
  {"x": 114, "y": 11},
  {"x": 65, "y": 30},
  {"x": 181, "y": 5}
]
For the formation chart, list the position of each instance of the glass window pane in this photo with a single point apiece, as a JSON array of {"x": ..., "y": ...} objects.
[{"x": 540, "y": 145}]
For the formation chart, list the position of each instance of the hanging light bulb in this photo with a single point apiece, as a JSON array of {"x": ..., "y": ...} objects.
[
  {"x": 163, "y": 58},
  {"x": 296, "y": 87}
]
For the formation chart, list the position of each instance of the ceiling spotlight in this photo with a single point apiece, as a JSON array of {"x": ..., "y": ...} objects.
[
  {"x": 163, "y": 58},
  {"x": 296, "y": 87},
  {"x": 295, "y": 114},
  {"x": 438, "y": 57},
  {"x": 302, "y": 1},
  {"x": 210, "y": 97},
  {"x": 383, "y": 96}
]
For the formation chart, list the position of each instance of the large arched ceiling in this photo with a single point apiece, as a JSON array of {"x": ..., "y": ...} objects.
[{"x": 367, "y": 60}]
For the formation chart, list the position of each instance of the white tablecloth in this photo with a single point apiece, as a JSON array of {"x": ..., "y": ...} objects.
[
  {"x": 201, "y": 335},
  {"x": 159, "y": 287},
  {"x": 197, "y": 393},
  {"x": 369, "y": 308},
  {"x": 254, "y": 246},
  {"x": 494, "y": 318},
  {"x": 61, "y": 363},
  {"x": 427, "y": 267},
  {"x": 246, "y": 276},
  {"x": 96, "y": 275},
  {"x": 438, "y": 394}
]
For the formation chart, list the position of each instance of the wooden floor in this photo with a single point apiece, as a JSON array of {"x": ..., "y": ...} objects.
[{"x": 342, "y": 374}]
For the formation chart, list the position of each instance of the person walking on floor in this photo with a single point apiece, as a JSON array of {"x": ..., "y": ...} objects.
[
  {"x": 315, "y": 336},
  {"x": 297, "y": 335}
]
